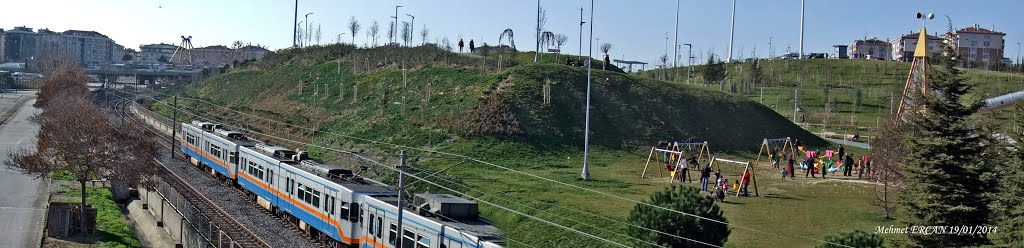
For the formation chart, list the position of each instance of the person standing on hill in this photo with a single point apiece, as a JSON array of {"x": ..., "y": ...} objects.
[
  {"x": 705, "y": 174},
  {"x": 461, "y": 45},
  {"x": 472, "y": 47}
]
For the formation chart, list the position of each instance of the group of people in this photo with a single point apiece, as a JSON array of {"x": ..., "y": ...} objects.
[
  {"x": 683, "y": 164},
  {"x": 472, "y": 47},
  {"x": 815, "y": 163}
]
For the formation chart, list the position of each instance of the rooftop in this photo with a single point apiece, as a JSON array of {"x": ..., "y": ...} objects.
[
  {"x": 85, "y": 33},
  {"x": 918, "y": 34},
  {"x": 979, "y": 30}
]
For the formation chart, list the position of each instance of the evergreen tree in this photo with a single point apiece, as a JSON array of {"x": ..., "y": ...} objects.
[
  {"x": 1007, "y": 211},
  {"x": 684, "y": 199},
  {"x": 714, "y": 71},
  {"x": 755, "y": 73},
  {"x": 945, "y": 166},
  {"x": 857, "y": 238}
]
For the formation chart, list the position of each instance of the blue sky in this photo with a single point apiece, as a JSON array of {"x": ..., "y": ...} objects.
[{"x": 636, "y": 29}]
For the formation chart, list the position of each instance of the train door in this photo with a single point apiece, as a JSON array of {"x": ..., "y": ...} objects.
[
  {"x": 289, "y": 187},
  {"x": 375, "y": 225}
]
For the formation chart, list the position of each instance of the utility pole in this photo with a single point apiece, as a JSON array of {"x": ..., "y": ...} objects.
[
  {"x": 586, "y": 126},
  {"x": 795, "y": 105},
  {"x": 689, "y": 60},
  {"x": 295, "y": 31},
  {"x": 771, "y": 52},
  {"x": 675, "y": 46},
  {"x": 395, "y": 32},
  {"x": 801, "y": 29},
  {"x": 581, "y": 33},
  {"x": 401, "y": 188},
  {"x": 174, "y": 124},
  {"x": 536, "y": 55},
  {"x": 307, "y": 26},
  {"x": 732, "y": 31}
]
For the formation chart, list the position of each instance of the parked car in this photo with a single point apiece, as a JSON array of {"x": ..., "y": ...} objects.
[
  {"x": 790, "y": 56},
  {"x": 817, "y": 56}
]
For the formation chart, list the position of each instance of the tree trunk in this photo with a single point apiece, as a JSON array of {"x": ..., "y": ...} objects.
[{"x": 82, "y": 216}]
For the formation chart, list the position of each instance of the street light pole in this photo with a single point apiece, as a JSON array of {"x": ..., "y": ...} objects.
[
  {"x": 297, "y": 26},
  {"x": 586, "y": 126},
  {"x": 581, "y": 33},
  {"x": 307, "y": 25},
  {"x": 770, "y": 51},
  {"x": 689, "y": 55},
  {"x": 295, "y": 29},
  {"x": 801, "y": 30},
  {"x": 536, "y": 55},
  {"x": 395, "y": 32},
  {"x": 412, "y": 28},
  {"x": 732, "y": 30},
  {"x": 675, "y": 53}
]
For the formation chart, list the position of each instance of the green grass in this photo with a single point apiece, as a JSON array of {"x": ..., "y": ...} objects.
[
  {"x": 876, "y": 80},
  {"x": 501, "y": 117},
  {"x": 111, "y": 224},
  {"x": 63, "y": 175}
]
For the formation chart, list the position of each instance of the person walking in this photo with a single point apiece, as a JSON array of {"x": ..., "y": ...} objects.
[
  {"x": 461, "y": 45},
  {"x": 848, "y": 165},
  {"x": 810, "y": 167},
  {"x": 789, "y": 166},
  {"x": 840, "y": 152},
  {"x": 705, "y": 174}
]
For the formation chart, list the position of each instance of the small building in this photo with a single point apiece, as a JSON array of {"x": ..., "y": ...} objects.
[
  {"x": 840, "y": 51},
  {"x": 156, "y": 53},
  {"x": 903, "y": 48},
  {"x": 871, "y": 49}
]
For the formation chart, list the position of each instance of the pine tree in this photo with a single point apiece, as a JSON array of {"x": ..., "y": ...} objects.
[
  {"x": 1008, "y": 214},
  {"x": 946, "y": 165},
  {"x": 646, "y": 218}
]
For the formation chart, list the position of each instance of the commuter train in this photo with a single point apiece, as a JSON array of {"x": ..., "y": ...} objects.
[{"x": 327, "y": 201}]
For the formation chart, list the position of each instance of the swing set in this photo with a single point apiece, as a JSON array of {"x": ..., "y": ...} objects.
[
  {"x": 747, "y": 168},
  {"x": 769, "y": 146},
  {"x": 674, "y": 154}
]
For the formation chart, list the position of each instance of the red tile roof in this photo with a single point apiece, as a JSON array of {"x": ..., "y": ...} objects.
[{"x": 918, "y": 34}]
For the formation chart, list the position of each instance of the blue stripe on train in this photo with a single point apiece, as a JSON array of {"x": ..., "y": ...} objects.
[
  {"x": 286, "y": 206},
  {"x": 210, "y": 163}
]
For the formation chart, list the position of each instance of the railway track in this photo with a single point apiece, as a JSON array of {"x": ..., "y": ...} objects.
[{"x": 239, "y": 232}]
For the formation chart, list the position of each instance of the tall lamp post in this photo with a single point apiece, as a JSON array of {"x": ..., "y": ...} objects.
[
  {"x": 801, "y": 31},
  {"x": 307, "y": 25},
  {"x": 732, "y": 31},
  {"x": 675, "y": 53},
  {"x": 297, "y": 26},
  {"x": 295, "y": 29},
  {"x": 412, "y": 28},
  {"x": 581, "y": 33},
  {"x": 395, "y": 33},
  {"x": 586, "y": 126},
  {"x": 689, "y": 60}
]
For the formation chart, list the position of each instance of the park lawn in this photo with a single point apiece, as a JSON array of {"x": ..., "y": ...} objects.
[
  {"x": 811, "y": 208},
  {"x": 113, "y": 228}
]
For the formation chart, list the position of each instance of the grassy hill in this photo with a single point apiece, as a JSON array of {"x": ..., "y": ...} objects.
[
  {"x": 820, "y": 80},
  {"x": 465, "y": 105}
]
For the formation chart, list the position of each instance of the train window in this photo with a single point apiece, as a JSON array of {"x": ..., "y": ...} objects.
[
  {"x": 191, "y": 139},
  {"x": 233, "y": 158},
  {"x": 215, "y": 151},
  {"x": 354, "y": 211},
  {"x": 371, "y": 224},
  {"x": 302, "y": 193},
  {"x": 270, "y": 177},
  {"x": 422, "y": 241},
  {"x": 316, "y": 198},
  {"x": 408, "y": 238},
  {"x": 251, "y": 169},
  {"x": 343, "y": 213},
  {"x": 380, "y": 226},
  {"x": 392, "y": 234},
  {"x": 259, "y": 172}
]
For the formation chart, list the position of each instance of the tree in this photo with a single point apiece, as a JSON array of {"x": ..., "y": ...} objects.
[
  {"x": 126, "y": 57},
  {"x": 373, "y": 31},
  {"x": 665, "y": 224},
  {"x": 560, "y": 40},
  {"x": 318, "y": 35},
  {"x": 887, "y": 159},
  {"x": 945, "y": 166},
  {"x": 391, "y": 32},
  {"x": 301, "y": 36},
  {"x": 62, "y": 84},
  {"x": 424, "y": 34},
  {"x": 605, "y": 48},
  {"x": 542, "y": 19},
  {"x": 856, "y": 238},
  {"x": 1007, "y": 213},
  {"x": 664, "y": 66},
  {"x": 353, "y": 25},
  {"x": 406, "y": 36},
  {"x": 507, "y": 34},
  {"x": 714, "y": 71},
  {"x": 755, "y": 73},
  {"x": 76, "y": 135}
]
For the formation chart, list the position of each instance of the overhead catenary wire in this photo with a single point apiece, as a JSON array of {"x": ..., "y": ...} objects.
[
  {"x": 427, "y": 181},
  {"x": 523, "y": 173}
]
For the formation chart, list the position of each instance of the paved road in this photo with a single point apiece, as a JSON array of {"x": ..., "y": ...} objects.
[
  {"x": 22, "y": 198},
  {"x": 849, "y": 143}
]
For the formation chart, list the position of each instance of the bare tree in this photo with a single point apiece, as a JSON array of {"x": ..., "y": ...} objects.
[
  {"x": 302, "y": 36},
  {"x": 76, "y": 135},
  {"x": 542, "y": 19},
  {"x": 605, "y": 48},
  {"x": 560, "y": 40},
  {"x": 318, "y": 34},
  {"x": 664, "y": 66},
  {"x": 353, "y": 25},
  {"x": 406, "y": 36},
  {"x": 888, "y": 154},
  {"x": 424, "y": 34},
  {"x": 391, "y": 32},
  {"x": 374, "y": 31}
]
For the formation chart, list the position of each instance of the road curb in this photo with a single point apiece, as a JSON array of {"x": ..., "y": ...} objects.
[{"x": 13, "y": 109}]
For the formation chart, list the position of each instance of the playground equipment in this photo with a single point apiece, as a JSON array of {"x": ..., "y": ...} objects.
[
  {"x": 769, "y": 146},
  {"x": 675, "y": 154},
  {"x": 747, "y": 168}
]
